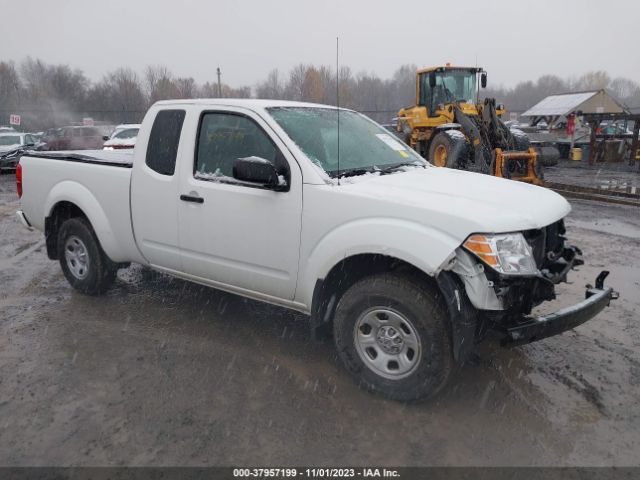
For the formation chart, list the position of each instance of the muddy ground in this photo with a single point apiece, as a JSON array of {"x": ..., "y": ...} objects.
[{"x": 162, "y": 372}]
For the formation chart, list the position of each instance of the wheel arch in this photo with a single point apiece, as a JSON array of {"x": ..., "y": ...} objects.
[
  {"x": 345, "y": 273},
  {"x": 68, "y": 200},
  {"x": 365, "y": 247}
]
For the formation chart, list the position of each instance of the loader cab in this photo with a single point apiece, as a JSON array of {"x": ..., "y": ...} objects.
[{"x": 443, "y": 86}]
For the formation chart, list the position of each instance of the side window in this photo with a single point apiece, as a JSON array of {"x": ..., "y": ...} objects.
[
  {"x": 425, "y": 90},
  {"x": 224, "y": 137},
  {"x": 163, "y": 141}
]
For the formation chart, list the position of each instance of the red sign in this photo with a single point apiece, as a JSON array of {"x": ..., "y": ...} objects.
[
  {"x": 87, "y": 122},
  {"x": 14, "y": 119}
]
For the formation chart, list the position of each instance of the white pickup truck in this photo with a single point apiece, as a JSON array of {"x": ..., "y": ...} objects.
[{"x": 320, "y": 210}]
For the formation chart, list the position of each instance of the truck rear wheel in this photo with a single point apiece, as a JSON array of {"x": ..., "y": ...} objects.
[
  {"x": 391, "y": 334},
  {"x": 84, "y": 264},
  {"x": 447, "y": 149}
]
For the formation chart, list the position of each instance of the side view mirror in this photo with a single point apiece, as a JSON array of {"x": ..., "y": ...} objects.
[
  {"x": 483, "y": 79},
  {"x": 432, "y": 79},
  {"x": 105, "y": 137},
  {"x": 257, "y": 170}
]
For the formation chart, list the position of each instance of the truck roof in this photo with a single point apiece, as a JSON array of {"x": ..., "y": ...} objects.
[{"x": 251, "y": 103}]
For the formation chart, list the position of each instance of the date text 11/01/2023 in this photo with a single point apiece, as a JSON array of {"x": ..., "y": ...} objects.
[{"x": 315, "y": 473}]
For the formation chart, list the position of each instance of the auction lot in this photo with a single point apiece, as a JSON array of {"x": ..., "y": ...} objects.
[{"x": 163, "y": 372}]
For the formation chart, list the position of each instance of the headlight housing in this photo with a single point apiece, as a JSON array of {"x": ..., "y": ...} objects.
[{"x": 507, "y": 253}]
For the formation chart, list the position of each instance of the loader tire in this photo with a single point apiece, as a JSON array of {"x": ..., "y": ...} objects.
[
  {"x": 448, "y": 149},
  {"x": 548, "y": 156}
]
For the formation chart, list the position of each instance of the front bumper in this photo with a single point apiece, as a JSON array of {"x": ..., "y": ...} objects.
[{"x": 537, "y": 328}]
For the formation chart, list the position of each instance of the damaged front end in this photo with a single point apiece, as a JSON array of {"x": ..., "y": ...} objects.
[{"x": 485, "y": 296}]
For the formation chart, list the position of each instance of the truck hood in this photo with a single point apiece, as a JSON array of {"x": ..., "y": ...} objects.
[{"x": 460, "y": 203}]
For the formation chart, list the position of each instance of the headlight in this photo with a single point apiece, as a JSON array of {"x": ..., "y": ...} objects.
[{"x": 507, "y": 253}]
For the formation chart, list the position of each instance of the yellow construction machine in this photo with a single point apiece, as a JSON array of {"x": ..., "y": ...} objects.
[{"x": 450, "y": 127}]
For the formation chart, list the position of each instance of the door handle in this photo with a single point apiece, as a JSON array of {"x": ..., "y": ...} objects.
[{"x": 189, "y": 198}]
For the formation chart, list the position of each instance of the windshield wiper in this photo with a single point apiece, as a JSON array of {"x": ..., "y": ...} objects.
[
  {"x": 352, "y": 172},
  {"x": 396, "y": 166}
]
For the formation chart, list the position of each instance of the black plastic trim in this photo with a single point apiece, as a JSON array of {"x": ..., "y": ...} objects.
[
  {"x": 537, "y": 328},
  {"x": 78, "y": 158}
]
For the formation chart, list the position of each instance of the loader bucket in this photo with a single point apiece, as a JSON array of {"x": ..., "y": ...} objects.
[{"x": 516, "y": 165}]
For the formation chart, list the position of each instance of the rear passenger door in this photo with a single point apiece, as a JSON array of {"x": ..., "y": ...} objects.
[{"x": 238, "y": 234}]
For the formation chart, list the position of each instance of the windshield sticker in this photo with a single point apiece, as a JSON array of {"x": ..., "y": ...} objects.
[
  {"x": 403, "y": 153},
  {"x": 386, "y": 138}
]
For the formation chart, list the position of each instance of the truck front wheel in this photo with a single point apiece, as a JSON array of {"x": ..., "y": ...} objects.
[
  {"x": 391, "y": 333},
  {"x": 84, "y": 263}
]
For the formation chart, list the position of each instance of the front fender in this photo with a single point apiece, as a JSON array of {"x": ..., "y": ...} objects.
[
  {"x": 79, "y": 195},
  {"x": 425, "y": 248}
]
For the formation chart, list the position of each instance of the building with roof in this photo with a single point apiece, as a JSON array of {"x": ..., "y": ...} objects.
[{"x": 559, "y": 106}]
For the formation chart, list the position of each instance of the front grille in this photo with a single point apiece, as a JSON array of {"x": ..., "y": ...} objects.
[
  {"x": 537, "y": 241},
  {"x": 546, "y": 243}
]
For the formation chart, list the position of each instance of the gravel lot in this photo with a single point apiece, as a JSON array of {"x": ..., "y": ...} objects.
[{"x": 163, "y": 372}]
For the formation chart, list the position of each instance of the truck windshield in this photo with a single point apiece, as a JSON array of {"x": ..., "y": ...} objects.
[{"x": 364, "y": 145}]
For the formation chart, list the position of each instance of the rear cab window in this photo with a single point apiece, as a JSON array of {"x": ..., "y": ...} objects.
[{"x": 164, "y": 140}]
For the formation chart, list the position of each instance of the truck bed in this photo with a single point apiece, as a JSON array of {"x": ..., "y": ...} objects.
[{"x": 96, "y": 181}]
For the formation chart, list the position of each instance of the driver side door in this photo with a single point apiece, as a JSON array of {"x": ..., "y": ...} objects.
[{"x": 235, "y": 234}]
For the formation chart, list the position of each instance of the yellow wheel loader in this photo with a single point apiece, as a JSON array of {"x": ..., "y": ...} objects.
[{"x": 450, "y": 127}]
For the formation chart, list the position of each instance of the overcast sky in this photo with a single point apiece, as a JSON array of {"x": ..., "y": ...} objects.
[{"x": 513, "y": 40}]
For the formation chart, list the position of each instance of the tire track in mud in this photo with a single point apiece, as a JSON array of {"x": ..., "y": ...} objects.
[{"x": 21, "y": 252}]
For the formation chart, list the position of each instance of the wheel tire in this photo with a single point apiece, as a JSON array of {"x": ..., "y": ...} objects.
[
  {"x": 548, "y": 156},
  {"x": 521, "y": 140},
  {"x": 448, "y": 149},
  {"x": 426, "y": 328},
  {"x": 84, "y": 263}
]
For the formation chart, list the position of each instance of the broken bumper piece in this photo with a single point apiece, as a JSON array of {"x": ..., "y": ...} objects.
[{"x": 537, "y": 328}]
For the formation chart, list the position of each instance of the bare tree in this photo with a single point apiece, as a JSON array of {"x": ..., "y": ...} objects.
[
  {"x": 186, "y": 87},
  {"x": 271, "y": 87},
  {"x": 10, "y": 90},
  {"x": 295, "y": 86},
  {"x": 593, "y": 81},
  {"x": 625, "y": 89},
  {"x": 160, "y": 84},
  {"x": 312, "y": 87}
]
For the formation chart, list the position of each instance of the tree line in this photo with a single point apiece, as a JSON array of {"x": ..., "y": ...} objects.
[{"x": 48, "y": 95}]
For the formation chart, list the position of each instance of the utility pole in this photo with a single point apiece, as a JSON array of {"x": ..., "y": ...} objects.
[{"x": 219, "y": 84}]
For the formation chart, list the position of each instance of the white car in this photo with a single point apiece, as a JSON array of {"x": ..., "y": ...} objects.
[
  {"x": 13, "y": 140},
  {"x": 123, "y": 126},
  {"x": 123, "y": 138},
  {"x": 10, "y": 143},
  {"x": 406, "y": 265}
]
